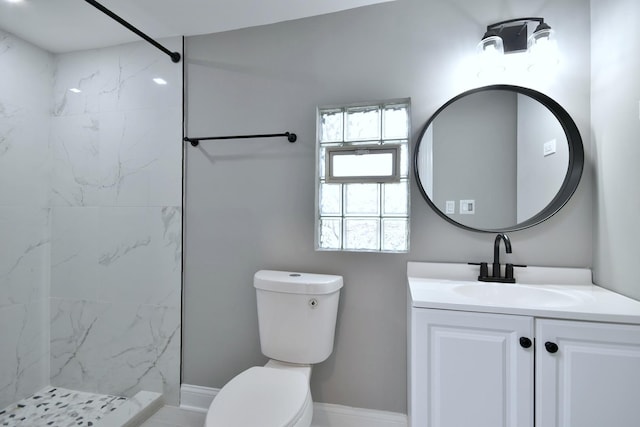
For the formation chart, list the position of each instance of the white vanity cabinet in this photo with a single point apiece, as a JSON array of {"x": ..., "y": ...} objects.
[
  {"x": 593, "y": 380},
  {"x": 468, "y": 369},
  {"x": 471, "y": 369}
]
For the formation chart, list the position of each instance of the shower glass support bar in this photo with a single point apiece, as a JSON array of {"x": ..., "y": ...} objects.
[
  {"x": 175, "y": 56},
  {"x": 291, "y": 137}
]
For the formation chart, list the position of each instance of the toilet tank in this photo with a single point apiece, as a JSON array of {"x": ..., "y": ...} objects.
[{"x": 297, "y": 314}]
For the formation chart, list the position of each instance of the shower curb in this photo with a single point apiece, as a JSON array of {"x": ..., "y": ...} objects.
[{"x": 134, "y": 411}]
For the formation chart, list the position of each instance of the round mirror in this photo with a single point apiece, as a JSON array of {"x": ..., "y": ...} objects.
[{"x": 498, "y": 158}]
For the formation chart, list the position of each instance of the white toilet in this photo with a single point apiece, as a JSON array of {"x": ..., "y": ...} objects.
[{"x": 297, "y": 318}]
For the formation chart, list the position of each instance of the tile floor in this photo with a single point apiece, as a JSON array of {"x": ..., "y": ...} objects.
[{"x": 170, "y": 416}]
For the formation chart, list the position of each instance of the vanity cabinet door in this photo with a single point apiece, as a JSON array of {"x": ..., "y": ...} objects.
[
  {"x": 587, "y": 374},
  {"x": 470, "y": 369}
]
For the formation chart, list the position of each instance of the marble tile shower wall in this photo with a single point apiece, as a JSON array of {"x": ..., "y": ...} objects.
[
  {"x": 116, "y": 195},
  {"x": 25, "y": 96}
]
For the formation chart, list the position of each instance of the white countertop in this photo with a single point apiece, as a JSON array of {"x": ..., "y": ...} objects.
[{"x": 562, "y": 293}]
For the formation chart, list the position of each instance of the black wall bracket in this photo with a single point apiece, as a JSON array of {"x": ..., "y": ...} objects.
[{"x": 175, "y": 56}]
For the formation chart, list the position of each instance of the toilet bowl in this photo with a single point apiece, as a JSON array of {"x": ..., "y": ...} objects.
[
  {"x": 263, "y": 397},
  {"x": 296, "y": 318}
]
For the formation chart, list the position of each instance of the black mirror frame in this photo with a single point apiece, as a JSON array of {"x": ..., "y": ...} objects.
[{"x": 574, "y": 168}]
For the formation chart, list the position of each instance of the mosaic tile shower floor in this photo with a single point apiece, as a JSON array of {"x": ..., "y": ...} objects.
[{"x": 59, "y": 407}]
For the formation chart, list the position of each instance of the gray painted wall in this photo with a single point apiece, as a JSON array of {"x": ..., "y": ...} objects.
[
  {"x": 250, "y": 204},
  {"x": 474, "y": 158},
  {"x": 539, "y": 177},
  {"x": 616, "y": 132}
]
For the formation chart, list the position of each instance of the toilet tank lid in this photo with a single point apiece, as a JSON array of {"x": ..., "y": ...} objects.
[{"x": 297, "y": 283}]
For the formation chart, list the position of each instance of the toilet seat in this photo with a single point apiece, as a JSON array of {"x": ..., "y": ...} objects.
[{"x": 262, "y": 397}]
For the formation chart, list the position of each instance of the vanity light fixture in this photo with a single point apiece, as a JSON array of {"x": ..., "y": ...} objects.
[{"x": 512, "y": 36}]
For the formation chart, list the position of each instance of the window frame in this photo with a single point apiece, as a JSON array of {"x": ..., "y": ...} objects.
[{"x": 333, "y": 151}]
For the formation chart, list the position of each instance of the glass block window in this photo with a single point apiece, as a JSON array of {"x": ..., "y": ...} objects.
[{"x": 369, "y": 214}]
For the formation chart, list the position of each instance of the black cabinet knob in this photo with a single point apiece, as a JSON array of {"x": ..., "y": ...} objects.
[
  {"x": 525, "y": 342},
  {"x": 551, "y": 347}
]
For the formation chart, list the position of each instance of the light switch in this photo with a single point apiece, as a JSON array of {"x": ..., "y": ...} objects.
[
  {"x": 451, "y": 207},
  {"x": 549, "y": 148},
  {"x": 467, "y": 207}
]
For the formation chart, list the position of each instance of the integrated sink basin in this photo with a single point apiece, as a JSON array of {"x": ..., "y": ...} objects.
[{"x": 513, "y": 294}]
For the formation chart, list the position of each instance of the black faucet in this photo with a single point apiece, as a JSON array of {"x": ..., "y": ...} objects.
[
  {"x": 496, "y": 252},
  {"x": 496, "y": 273}
]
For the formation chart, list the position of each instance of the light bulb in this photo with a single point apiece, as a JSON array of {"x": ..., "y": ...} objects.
[
  {"x": 490, "y": 55},
  {"x": 542, "y": 49}
]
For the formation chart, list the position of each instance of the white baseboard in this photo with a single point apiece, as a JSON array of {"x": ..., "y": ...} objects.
[
  {"x": 326, "y": 414},
  {"x": 197, "y": 398}
]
